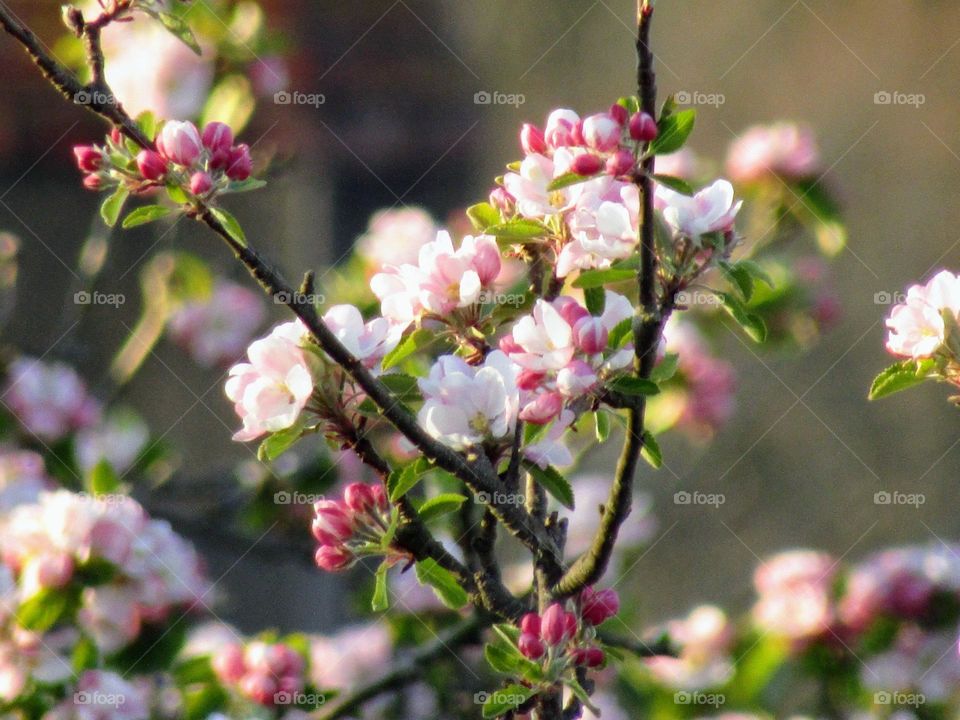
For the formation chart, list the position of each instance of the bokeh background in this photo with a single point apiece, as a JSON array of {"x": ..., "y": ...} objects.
[{"x": 806, "y": 452}]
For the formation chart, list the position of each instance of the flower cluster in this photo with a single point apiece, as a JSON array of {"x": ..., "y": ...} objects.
[
  {"x": 49, "y": 399},
  {"x": 920, "y": 325},
  {"x": 123, "y": 568},
  {"x": 263, "y": 672},
  {"x": 796, "y": 595},
  {"x": 204, "y": 164},
  {"x": 103, "y": 695},
  {"x": 351, "y": 527},
  {"x": 394, "y": 237},
  {"x": 704, "y": 640},
  {"x": 783, "y": 149}
]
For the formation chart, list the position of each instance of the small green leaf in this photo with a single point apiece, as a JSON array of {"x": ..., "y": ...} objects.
[
  {"x": 673, "y": 132},
  {"x": 230, "y": 224},
  {"x": 404, "y": 387},
  {"x": 147, "y": 122},
  {"x": 900, "y": 376},
  {"x": 46, "y": 608},
  {"x": 144, "y": 215},
  {"x": 666, "y": 368},
  {"x": 403, "y": 480},
  {"x": 553, "y": 482},
  {"x": 440, "y": 505},
  {"x": 275, "y": 444},
  {"x": 674, "y": 183},
  {"x": 177, "y": 195},
  {"x": 483, "y": 215},
  {"x": 651, "y": 451},
  {"x": 599, "y": 278},
  {"x": 444, "y": 584},
  {"x": 752, "y": 324},
  {"x": 508, "y": 634},
  {"x": 740, "y": 278},
  {"x": 620, "y": 333},
  {"x": 503, "y": 700},
  {"x": 601, "y": 422},
  {"x": 630, "y": 385},
  {"x": 415, "y": 341},
  {"x": 519, "y": 230},
  {"x": 178, "y": 27},
  {"x": 103, "y": 479},
  {"x": 110, "y": 210},
  {"x": 756, "y": 272},
  {"x": 595, "y": 299},
  {"x": 380, "y": 600},
  {"x": 631, "y": 103},
  {"x": 500, "y": 659},
  {"x": 568, "y": 179},
  {"x": 240, "y": 186},
  {"x": 194, "y": 670}
]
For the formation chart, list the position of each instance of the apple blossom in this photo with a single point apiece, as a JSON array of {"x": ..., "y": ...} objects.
[
  {"x": 368, "y": 342},
  {"x": 602, "y": 132},
  {"x": 917, "y": 327},
  {"x": 795, "y": 595},
  {"x": 179, "y": 142},
  {"x": 559, "y": 131},
  {"x": 239, "y": 164},
  {"x": 710, "y": 210},
  {"x": 783, "y": 149},
  {"x": 604, "y": 225},
  {"x": 49, "y": 399},
  {"x": 394, "y": 237}
]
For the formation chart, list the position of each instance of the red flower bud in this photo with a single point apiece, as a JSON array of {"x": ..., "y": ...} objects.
[
  {"x": 93, "y": 182},
  {"x": 619, "y": 113},
  {"x": 590, "y": 335},
  {"x": 597, "y": 607},
  {"x": 217, "y": 136},
  {"x": 151, "y": 165},
  {"x": 179, "y": 142},
  {"x": 332, "y": 558},
  {"x": 89, "y": 158},
  {"x": 502, "y": 200},
  {"x": 593, "y": 657},
  {"x": 529, "y": 379},
  {"x": 543, "y": 409},
  {"x": 240, "y": 163},
  {"x": 531, "y": 646},
  {"x": 586, "y": 165},
  {"x": 530, "y": 624},
  {"x": 643, "y": 127},
  {"x": 228, "y": 663},
  {"x": 359, "y": 497},
  {"x": 332, "y": 520},
  {"x": 570, "y": 310},
  {"x": 532, "y": 140},
  {"x": 200, "y": 183},
  {"x": 620, "y": 163},
  {"x": 553, "y": 625}
]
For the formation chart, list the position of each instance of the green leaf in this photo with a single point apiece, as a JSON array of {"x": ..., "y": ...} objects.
[
  {"x": 47, "y": 607},
  {"x": 595, "y": 299},
  {"x": 110, "y": 210},
  {"x": 620, "y": 333},
  {"x": 440, "y": 505},
  {"x": 509, "y": 634},
  {"x": 501, "y": 659},
  {"x": 275, "y": 444},
  {"x": 553, "y": 482},
  {"x": 673, "y": 132},
  {"x": 154, "y": 650},
  {"x": 443, "y": 582},
  {"x": 380, "y": 600},
  {"x": 404, "y": 387},
  {"x": 756, "y": 272},
  {"x": 178, "y": 27},
  {"x": 740, "y": 278},
  {"x": 631, "y": 103},
  {"x": 199, "y": 703},
  {"x": 666, "y": 368},
  {"x": 230, "y": 224},
  {"x": 103, "y": 479},
  {"x": 900, "y": 376},
  {"x": 519, "y": 230},
  {"x": 582, "y": 695},
  {"x": 95, "y": 572},
  {"x": 144, "y": 215},
  {"x": 674, "y": 183},
  {"x": 633, "y": 386},
  {"x": 147, "y": 122},
  {"x": 240, "y": 186},
  {"x": 568, "y": 179},
  {"x": 414, "y": 341},
  {"x": 177, "y": 195},
  {"x": 503, "y": 700},
  {"x": 599, "y": 278},
  {"x": 483, "y": 215},
  {"x": 601, "y": 423},
  {"x": 194, "y": 670},
  {"x": 651, "y": 451},
  {"x": 405, "y": 479},
  {"x": 752, "y": 324},
  {"x": 85, "y": 655}
]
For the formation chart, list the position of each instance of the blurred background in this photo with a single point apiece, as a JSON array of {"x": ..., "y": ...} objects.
[{"x": 403, "y": 122}]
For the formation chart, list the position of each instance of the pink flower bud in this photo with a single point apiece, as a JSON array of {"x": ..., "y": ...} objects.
[
  {"x": 200, "y": 183},
  {"x": 553, "y": 625},
  {"x": 359, "y": 497},
  {"x": 590, "y": 335},
  {"x": 116, "y": 137},
  {"x": 602, "y": 132},
  {"x": 92, "y": 182},
  {"x": 620, "y": 163},
  {"x": 596, "y": 607},
  {"x": 502, "y": 200},
  {"x": 54, "y": 571},
  {"x": 529, "y": 379},
  {"x": 593, "y": 657},
  {"x": 576, "y": 379},
  {"x": 228, "y": 663},
  {"x": 487, "y": 261},
  {"x": 332, "y": 518},
  {"x": 151, "y": 165},
  {"x": 89, "y": 159},
  {"x": 531, "y": 646},
  {"x": 179, "y": 142},
  {"x": 218, "y": 138},
  {"x": 532, "y": 140},
  {"x": 619, "y": 113},
  {"x": 333, "y": 558},
  {"x": 543, "y": 409},
  {"x": 586, "y": 164},
  {"x": 560, "y": 125},
  {"x": 570, "y": 624},
  {"x": 643, "y": 127},
  {"x": 259, "y": 687},
  {"x": 240, "y": 164},
  {"x": 570, "y": 310},
  {"x": 380, "y": 498},
  {"x": 576, "y": 134},
  {"x": 530, "y": 624}
]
